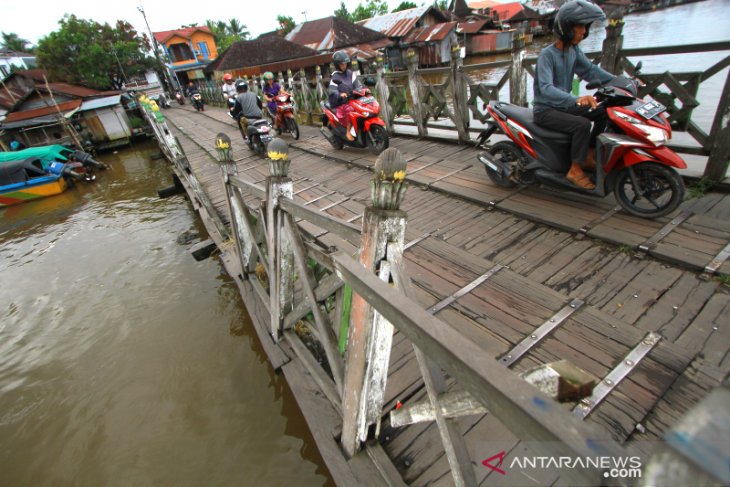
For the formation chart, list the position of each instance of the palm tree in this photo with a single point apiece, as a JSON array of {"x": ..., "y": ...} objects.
[
  {"x": 12, "y": 42},
  {"x": 237, "y": 29}
]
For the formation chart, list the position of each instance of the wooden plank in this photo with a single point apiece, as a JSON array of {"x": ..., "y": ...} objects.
[{"x": 709, "y": 332}]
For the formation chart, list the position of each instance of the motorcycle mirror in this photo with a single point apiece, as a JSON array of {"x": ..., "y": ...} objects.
[
  {"x": 638, "y": 67},
  {"x": 369, "y": 81}
]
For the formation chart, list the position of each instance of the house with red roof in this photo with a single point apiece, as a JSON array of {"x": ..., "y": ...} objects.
[{"x": 188, "y": 50}]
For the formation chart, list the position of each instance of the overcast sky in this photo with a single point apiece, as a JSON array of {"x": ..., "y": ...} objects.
[{"x": 33, "y": 19}]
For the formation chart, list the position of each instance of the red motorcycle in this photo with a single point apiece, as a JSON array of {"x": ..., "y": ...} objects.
[
  {"x": 369, "y": 129},
  {"x": 631, "y": 158},
  {"x": 285, "y": 120}
]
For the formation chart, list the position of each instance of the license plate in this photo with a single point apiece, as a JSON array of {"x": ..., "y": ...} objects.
[
  {"x": 651, "y": 109},
  {"x": 267, "y": 138}
]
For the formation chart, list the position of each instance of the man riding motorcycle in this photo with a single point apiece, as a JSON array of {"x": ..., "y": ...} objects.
[
  {"x": 343, "y": 82},
  {"x": 554, "y": 105},
  {"x": 248, "y": 106},
  {"x": 228, "y": 87}
]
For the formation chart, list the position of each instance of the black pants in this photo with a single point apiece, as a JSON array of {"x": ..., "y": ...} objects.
[{"x": 577, "y": 122}]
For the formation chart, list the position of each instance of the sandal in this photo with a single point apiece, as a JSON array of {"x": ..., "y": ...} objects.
[{"x": 582, "y": 181}]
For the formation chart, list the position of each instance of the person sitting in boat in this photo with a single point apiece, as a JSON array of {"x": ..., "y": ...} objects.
[
  {"x": 554, "y": 106},
  {"x": 338, "y": 92},
  {"x": 16, "y": 146}
]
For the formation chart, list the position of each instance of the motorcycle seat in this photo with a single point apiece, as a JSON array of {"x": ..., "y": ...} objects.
[
  {"x": 259, "y": 122},
  {"x": 524, "y": 117}
]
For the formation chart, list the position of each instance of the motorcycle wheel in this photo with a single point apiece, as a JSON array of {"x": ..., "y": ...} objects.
[
  {"x": 256, "y": 144},
  {"x": 335, "y": 142},
  {"x": 292, "y": 128},
  {"x": 378, "y": 139},
  {"x": 506, "y": 152},
  {"x": 659, "y": 190}
]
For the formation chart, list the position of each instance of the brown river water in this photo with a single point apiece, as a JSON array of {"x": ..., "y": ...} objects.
[{"x": 123, "y": 361}]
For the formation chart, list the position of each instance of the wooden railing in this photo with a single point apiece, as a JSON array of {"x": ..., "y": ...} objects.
[
  {"x": 458, "y": 97},
  {"x": 317, "y": 296}
]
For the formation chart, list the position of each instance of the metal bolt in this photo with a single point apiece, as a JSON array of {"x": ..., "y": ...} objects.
[
  {"x": 534, "y": 337},
  {"x": 715, "y": 328},
  {"x": 572, "y": 305},
  {"x": 407, "y": 463},
  {"x": 608, "y": 382},
  {"x": 552, "y": 320},
  {"x": 629, "y": 362},
  {"x": 640, "y": 428},
  {"x": 675, "y": 308},
  {"x": 636, "y": 295}
]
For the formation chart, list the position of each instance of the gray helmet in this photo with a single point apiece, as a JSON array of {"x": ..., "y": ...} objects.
[
  {"x": 576, "y": 12},
  {"x": 241, "y": 86},
  {"x": 340, "y": 57}
]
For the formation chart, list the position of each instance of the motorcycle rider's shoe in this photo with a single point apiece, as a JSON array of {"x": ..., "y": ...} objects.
[{"x": 577, "y": 177}]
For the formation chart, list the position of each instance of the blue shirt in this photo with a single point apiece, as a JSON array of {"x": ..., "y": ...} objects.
[{"x": 554, "y": 77}]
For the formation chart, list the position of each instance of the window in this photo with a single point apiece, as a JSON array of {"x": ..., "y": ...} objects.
[
  {"x": 181, "y": 52},
  {"x": 203, "y": 48}
]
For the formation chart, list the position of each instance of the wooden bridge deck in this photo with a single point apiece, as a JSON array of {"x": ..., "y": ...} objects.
[{"x": 458, "y": 236}]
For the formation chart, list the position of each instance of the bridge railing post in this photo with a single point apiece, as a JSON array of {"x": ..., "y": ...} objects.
[
  {"x": 280, "y": 252},
  {"x": 418, "y": 108},
  {"x": 459, "y": 93},
  {"x": 719, "y": 142},
  {"x": 370, "y": 335},
  {"x": 612, "y": 45},
  {"x": 381, "y": 87},
  {"x": 518, "y": 75}
]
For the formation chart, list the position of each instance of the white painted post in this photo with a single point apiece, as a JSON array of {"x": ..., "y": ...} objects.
[
  {"x": 370, "y": 335},
  {"x": 280, "y": 252},
  {"x": 518, "y": 76}
]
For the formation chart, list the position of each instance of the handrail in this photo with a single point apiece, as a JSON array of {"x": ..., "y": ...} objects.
[{"x": 521, "y": 407}]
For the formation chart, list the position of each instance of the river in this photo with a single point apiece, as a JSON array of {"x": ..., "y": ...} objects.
[{"x": 123, "y": 361}]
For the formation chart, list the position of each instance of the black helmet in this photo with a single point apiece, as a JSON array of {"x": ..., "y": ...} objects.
[
  {"x": 241, "y": 86},
  {"x": 340, "y": 57},
  {"x": 576, "y": 12}
]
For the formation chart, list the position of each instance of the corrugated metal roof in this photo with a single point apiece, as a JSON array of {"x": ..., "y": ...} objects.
[
  {"x": 471, "y": 27},
  {"x": 39, "y": 112},
  {"x": 432, "y": 33},
  {"x": 100, "y": 103},
  {"x": 397, "y": 24},
  {"x": 331, "y": 33}
]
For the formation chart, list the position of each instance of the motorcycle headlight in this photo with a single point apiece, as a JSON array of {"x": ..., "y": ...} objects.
[{"x": 655, "y": 135}]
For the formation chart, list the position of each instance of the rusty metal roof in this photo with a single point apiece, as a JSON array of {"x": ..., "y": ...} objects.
[
  {"x": 397, "y": 24},
  {"x": 39, "y": 112},
  {"x": 431, "y": 33},
  {"x": 331, "y": 33},
  {"x": 471, "y": 27}
]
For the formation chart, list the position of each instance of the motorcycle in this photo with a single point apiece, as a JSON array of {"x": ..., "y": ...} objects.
[
  {"x": 631, "y": 159},
  {"x": 285, "y": 116},
  {"x": 197, "y": 100},
  {"x": 180, "y": 98},
  {"x": 368, "y": 127}
]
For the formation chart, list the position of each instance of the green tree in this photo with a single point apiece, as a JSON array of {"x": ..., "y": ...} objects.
[
  {"x": 441, "y": 4},
  {"x": 342, "y": 12},
  {"x": 237, "y": 29},
  {"x": 370, "y": 8},
  {"x": 96, "y": 55},
  {"x": 404, "y": 6},
  {"x": 286, "y": 24},
  {"x": 12, "y": 42}
]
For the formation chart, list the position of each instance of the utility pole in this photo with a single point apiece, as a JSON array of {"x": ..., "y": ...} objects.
[{"x": 156, "y": 49}]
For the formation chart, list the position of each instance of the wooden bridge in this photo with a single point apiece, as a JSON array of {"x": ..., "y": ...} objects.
[{"x": 490, "y": 284}]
